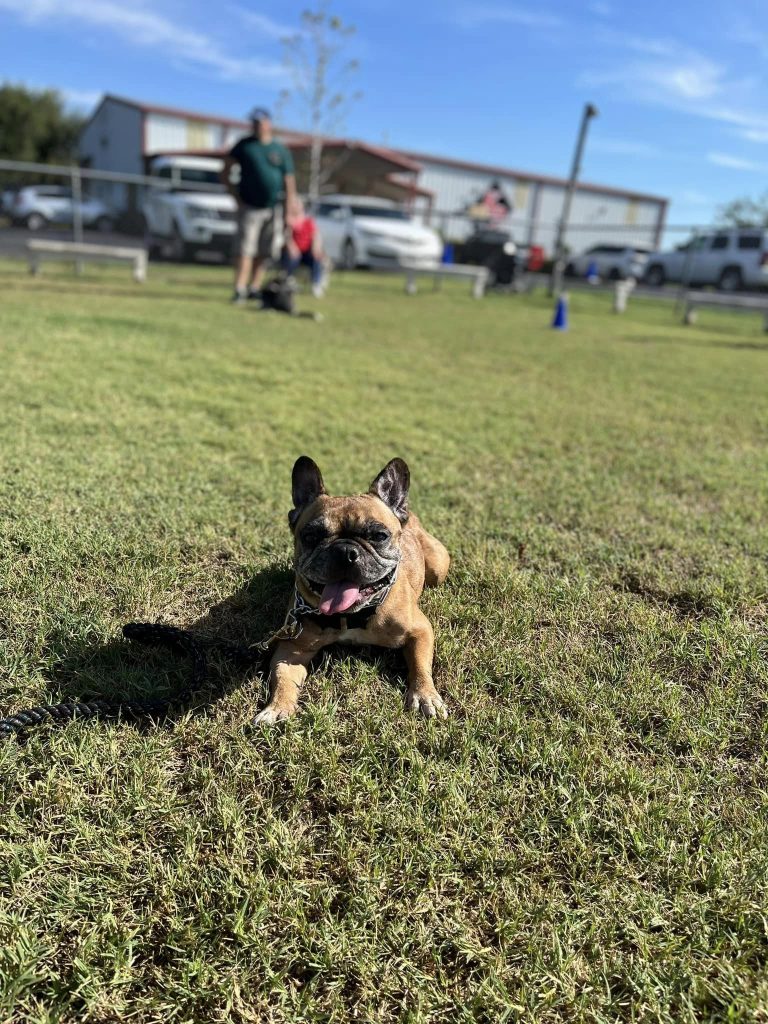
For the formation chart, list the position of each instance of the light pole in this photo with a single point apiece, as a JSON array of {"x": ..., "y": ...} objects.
[{"x": 556, "y": 280}]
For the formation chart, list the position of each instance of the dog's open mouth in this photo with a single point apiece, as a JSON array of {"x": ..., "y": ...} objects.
[{"x": 340, "y": 596}]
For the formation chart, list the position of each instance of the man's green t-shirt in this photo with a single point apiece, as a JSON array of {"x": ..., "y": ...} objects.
[{"x": 263, "y": 167}]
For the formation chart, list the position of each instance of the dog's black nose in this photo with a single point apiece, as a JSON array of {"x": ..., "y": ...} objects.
[{"x": 349, "y": 552}]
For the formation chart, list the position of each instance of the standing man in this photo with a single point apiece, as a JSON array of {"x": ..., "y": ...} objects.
[{"x": 267, "y": 181}]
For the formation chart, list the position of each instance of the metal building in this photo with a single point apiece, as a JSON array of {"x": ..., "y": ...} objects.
[
  {"x": 123, "y": 135},
  {"x": 600, "y": 213}
]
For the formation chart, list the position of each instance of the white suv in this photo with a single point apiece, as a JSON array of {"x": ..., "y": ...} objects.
[
  {"x": 731, "y": 259},
  {"x": 182, "y": 220},
  {"x": 361, "y": 231}
]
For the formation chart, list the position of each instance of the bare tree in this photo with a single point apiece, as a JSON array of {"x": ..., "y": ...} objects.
[
  {"x": 321, "y": 80},
  {"x": 745, "y": 212}
]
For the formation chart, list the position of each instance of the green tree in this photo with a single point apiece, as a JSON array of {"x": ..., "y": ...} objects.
[
  {"x": 745, "y": 212},
  {"x": 35, "y": 126}
]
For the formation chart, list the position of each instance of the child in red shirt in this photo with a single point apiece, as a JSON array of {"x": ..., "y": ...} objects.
[{"x": 304, "y": 247}]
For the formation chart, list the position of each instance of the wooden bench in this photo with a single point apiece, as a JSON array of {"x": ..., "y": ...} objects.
[
  {"x": 40, "y": 249},
  {"x": 759, "y": 303},
  {"x": 477, "y": 275}
]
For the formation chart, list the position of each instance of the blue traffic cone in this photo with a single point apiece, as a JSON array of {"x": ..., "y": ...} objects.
[
  {"x": 593, "y": 274},
  {"x": 560, "y": 321}
]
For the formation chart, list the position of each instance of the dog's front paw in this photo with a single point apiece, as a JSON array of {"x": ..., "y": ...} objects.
[
  {"x": 272, "y": 714},
  {"x": 427, "y": 701}
]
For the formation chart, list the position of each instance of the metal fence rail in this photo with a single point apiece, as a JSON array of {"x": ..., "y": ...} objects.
[{"x": 125, "y": 196}]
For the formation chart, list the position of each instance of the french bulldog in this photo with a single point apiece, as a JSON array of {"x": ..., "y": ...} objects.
[{"x": 361, "y": 563}]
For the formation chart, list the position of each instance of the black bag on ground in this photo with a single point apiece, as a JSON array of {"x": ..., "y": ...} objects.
[{"x": 278, "y": 294}]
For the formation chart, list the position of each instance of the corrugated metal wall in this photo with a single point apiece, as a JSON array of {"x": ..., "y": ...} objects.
[
  {"x": 164, "y": 132},
  {"x": 536, "y": 207},
  {"x": 456, "y": 190}
]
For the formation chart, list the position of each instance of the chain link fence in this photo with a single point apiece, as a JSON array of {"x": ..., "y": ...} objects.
[{"x": 188, "y": 214}]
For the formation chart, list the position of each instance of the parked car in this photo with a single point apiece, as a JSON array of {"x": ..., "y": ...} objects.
[
  {"x": 613, "y": 262},
  {"x": 36, "y": 206},
  {"x": 731, "y": 259},
  {"x": 359, "y": 231},
  {"x": 182, "y": 220},
  {"x": 496, "y": 249},
  {"x": 7, "y": 197}
]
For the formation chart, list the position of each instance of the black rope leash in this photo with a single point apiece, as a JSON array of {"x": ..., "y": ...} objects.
[{"x": 181, "y": 641}]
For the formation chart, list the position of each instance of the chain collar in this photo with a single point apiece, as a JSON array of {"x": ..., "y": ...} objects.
[{"x": 292, "y": 626}]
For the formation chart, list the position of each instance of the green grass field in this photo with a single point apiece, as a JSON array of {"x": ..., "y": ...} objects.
[{"x": 585, "y": 839}]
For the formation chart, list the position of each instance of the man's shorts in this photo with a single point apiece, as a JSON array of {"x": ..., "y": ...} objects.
[{"x": 261, "y": 233}]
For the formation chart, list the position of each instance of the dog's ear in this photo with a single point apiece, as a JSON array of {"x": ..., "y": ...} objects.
[
  {"x": 391, "y": 485},
  {"x": 306, "y": 485}
]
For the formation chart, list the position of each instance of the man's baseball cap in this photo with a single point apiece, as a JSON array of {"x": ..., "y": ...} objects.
[{"x": 259, "y": 114}]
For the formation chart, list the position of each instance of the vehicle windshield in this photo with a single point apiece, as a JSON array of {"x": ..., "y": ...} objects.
[
  {"x": 190, "y": 175},
  {"x": 695, "y": 243},
  {"x": 384, "y": 212}
]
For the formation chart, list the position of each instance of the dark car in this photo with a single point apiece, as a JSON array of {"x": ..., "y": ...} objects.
[{"x": 493, "y": 248}]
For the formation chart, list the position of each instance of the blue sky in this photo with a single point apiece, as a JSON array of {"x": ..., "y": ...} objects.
[{"x": 682, "y": 88}]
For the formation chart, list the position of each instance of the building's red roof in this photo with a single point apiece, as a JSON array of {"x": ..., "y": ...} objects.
[
  {"x": 188, "y": 115},
  {"x": 390, "y": 155},
  {"x": 386, "y": 155}
]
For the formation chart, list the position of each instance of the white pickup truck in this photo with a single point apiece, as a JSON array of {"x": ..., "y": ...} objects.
[{"x": 182, "y": 220}]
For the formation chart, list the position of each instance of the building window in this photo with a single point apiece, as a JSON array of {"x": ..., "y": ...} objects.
[{"x": 198, "y": 136}]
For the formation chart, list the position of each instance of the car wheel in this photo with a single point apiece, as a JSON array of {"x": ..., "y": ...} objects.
[
  {"x": 731, "y": 280},
  {"x": 103, "y": 224},
  {"x": 655, "y": 276},
  {"x": 35, "y": 221},
  {"x": 179, "y": 250},
  {"x": 615, "y": 274},
  {"x": 349, "y": 255},
  {"x": 154, "y": 249}
]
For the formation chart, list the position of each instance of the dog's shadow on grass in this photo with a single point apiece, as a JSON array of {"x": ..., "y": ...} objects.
[
  {"x": 120, "y": 670},
  {"x": 123, "y": 671}
]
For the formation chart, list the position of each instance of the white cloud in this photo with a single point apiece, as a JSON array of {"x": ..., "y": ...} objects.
[
  {"x": 263, "y": 24},
  {"x": 697, "y": 80},
  {"x": 651, "y": 45},
  {"x": 149, "y": 30},
  {"x": 755, "y": 134},
  {"x": 679, "y": 78},
  {"x": 602, "y": 10},
  {"x": 736, "y": 163},
  {"x": 692, "y": 78},
  {"x": 528, "y": 17}
]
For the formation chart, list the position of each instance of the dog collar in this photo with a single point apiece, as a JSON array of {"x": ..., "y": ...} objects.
[{"x": 303, "y": 610}]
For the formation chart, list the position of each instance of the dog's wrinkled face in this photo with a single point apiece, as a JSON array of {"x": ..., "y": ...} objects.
[{"x": 347, "y": 549}]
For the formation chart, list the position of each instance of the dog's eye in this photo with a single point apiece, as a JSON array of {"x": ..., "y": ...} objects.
[
  {"x": 312, "y": 536},
  {"x": 379, "y": 536}
]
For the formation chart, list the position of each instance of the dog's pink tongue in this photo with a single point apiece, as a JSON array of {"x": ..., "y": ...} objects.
[{"x": 337, "y": 597}]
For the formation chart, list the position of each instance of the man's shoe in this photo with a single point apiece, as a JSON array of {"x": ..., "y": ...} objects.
[
  {"x": 254, "y": 295},
  {"x": 238, "y": 298}
]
